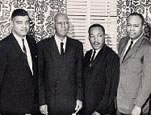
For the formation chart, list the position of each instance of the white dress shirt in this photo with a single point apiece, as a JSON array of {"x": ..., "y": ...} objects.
[
  {"x": 96, "y": 53},
  {"x": 28, "y": 53},
  {"x": 58, "y": 42}
]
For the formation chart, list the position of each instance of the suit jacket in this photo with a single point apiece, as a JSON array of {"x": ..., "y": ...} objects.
[
  {"x": 16, "y": 79},
  {"x": 101, "y": 81},
  {"x": 60, "y": 76},
  {"x": 135, "y": 75}
]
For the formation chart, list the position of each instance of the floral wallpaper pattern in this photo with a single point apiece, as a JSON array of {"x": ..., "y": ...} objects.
[{"x": 41, "y": 13}]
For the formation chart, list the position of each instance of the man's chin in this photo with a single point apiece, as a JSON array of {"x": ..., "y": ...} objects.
[
  {"x": 22, "y": 35},
  {"x": 96, "y": 48}
]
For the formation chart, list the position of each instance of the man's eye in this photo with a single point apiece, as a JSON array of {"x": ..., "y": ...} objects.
[
  {"x": 19, "y": 22},
  {"x": 136, "y": 26}
]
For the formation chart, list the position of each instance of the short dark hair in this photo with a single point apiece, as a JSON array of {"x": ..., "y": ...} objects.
[
  {"x": 19, "y": 12},
  {"x": 96, "y": 25},
  {"x": 137, "y": 14}
]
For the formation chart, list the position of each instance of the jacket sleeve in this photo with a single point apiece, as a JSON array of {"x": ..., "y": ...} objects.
[
  {"x": 112, "y": 77},
  {"x": 3, "y": 62},
  {"x": 79, "y": 65},
  {"x": 145, "y": 88},
  {"x": 41, "y": 75}
]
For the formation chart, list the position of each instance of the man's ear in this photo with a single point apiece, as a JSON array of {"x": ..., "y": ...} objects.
[{"x": 144, "y": 25}]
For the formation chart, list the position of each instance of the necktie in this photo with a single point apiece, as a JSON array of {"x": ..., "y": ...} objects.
[
  {"x": 128, "y": 49},
  {"x": 62, "y": 49},
  {"x": 92, "y": 58},
  {"x": 24, "y": 48}
]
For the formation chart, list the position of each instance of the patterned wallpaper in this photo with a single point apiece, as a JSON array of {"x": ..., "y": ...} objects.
[
  {"x": 41, "y": 13},
  {"x": 125, "y": 7}
]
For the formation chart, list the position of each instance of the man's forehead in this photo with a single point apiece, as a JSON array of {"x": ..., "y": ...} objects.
[{"x": 21, "y": 18}]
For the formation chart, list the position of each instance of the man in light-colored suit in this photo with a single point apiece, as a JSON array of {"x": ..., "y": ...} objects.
[{"x": 135, "y": 68}]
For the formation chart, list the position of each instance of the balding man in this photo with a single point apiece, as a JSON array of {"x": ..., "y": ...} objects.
[{"x": 60, "y": 71}]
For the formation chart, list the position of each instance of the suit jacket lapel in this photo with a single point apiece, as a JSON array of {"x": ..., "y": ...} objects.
[
  {"x": 32, "y": 46},
  {"x": 101, "y": 52},
  {"x": 122, "y": 48},
  {"x": 52, "y": 48},
  {"x": 54, "y": 52},
  {"x": 133, "y": 49},
  {"x": 16, "y": 45},
  {"x": 68, "y": 45}
]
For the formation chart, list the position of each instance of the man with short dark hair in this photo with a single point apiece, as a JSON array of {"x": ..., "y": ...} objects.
[
  {"x": 17, "y": 68},
  {"x": 101, "y": 75},
  {"x": 135, "y": 69}
]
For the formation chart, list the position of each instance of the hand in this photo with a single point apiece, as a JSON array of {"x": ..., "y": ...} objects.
[
  {"x": 136, "y": 110},
  {"x": 44, "y": 109},
  {"x": 96, "y": 113},
  {"x": 79, "y": 105}
]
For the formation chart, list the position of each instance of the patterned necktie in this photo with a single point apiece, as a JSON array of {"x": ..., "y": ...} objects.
[
  {"x": 128, "y": 49},
  {"x": 24, "y": 48},
  {"x": 62, "y": 49}
]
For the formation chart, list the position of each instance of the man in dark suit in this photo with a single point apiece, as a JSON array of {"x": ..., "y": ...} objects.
[
  {"x": 101, "y": 75},
  {"x": 60, "y": 71},
  {"x": 17, "y": 68},
  {"x": 135, "y": 69}
]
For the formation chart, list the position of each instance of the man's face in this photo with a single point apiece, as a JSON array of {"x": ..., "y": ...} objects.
[
  {"x": 62, "y": 25},
  {"x": 134, "y": 27},
  {"x": 96, "y": 37},
  {"x": 20, "y": 25}
]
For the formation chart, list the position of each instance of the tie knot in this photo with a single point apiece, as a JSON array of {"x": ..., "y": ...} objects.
[
  {"x": 62, "y": 44},
  {"x": 23, "y": 40},
  {"x": 131, "y": 41}
]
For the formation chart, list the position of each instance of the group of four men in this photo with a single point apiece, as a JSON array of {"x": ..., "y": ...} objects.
[{"x": 55, "y": 79}]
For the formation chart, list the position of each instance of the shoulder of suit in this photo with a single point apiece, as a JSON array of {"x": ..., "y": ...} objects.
[
  {"x": 6, "y": 39},
  {"x": 74, "y": 41},
  {"x": 30, "y": 37},
  {"x": 43, "y": 41},
  {"x": 5, "y": 43},
  {"x": 110, "y": 51},
  {"x": 146, "y": 41},
  {"x": 122, "y": 40},
  {"x": 89, "y": 51}
]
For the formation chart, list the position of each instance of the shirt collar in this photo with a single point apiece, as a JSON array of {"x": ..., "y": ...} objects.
[
  {"x": 59, "y": 41},
  {"x": 17, "y": 37},
  {"x": 98, "y": 50}
]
